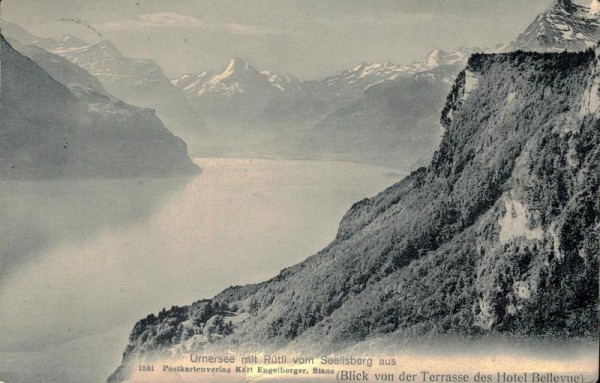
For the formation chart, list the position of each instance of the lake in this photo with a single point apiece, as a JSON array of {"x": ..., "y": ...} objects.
[{"x": 82, "y": 261}]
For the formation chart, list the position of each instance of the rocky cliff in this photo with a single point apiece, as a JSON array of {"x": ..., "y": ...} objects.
[
  {"x": 498, "y": 235},
  {"x": 563, "y": 26}
]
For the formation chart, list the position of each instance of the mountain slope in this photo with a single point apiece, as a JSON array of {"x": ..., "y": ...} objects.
[
  {"x": 498, "y": 235},
  {"x": 378, "y": 113},
  {"x": 49, "y": 131},
  {"x": 13, "y": 31},
  {"x": 395, "y": 122},
  {"x": 137, "y": 82},
  {"x": 317, "y": 99},
  {"x": 564, "y": 26},
  {"x": 61, "y": 69}
]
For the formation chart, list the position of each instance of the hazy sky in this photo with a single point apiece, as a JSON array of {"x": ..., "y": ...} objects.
[{"x": 306, "y": 38}]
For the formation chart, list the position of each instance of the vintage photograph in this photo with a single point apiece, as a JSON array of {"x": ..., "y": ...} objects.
[{"x": 299, "y": 191}]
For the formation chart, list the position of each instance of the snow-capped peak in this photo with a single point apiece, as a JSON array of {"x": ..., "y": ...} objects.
[
  {"x": 237, "y": 70},
  {"x": 564, "y": 26},
  {"x": 236, "y": 61},
  {"x": 433, "y": 57},
  {"x": 237, "y": 77},
  {"x": 236, "y": 64},
  {"x": 365, "y": 70}
]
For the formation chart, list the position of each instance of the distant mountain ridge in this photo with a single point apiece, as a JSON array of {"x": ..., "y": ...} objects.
[
  {"x": 341, "y": 117},
  {"x": 366, "y": 75},
  {"x": 60, "y": 68},
  {"x": 66, "y": 128},
  {"x": 135, "y": 81},
  {"x": 237, "y": 77},
  {"x": 240, "y": 91},
  {"x": 241, "y": 78},
  {"x": 382, "y": 113},
  {"x": 13, "y": 31}
]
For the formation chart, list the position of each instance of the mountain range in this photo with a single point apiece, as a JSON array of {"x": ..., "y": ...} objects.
[
  {"x": 395, "y": 120},
  {"x": 320, "y": 98},
  {"x": 65, "y": 125},
  {"x": 341, "y": 117},
  {"x": 138, "y": 82},
  {"x": 365, "y": 113},
  {"x": 349, "y": 116},
  {"x": 238, "y": 77}
]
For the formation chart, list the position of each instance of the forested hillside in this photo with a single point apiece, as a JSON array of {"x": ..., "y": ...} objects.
[{"x": 499, "y": 234}]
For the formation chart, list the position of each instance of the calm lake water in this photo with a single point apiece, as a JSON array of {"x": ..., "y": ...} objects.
[{"x": 81, "y": 261}]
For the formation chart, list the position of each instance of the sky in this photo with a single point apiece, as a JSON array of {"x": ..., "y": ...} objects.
[{"x": 309, "y": 39}]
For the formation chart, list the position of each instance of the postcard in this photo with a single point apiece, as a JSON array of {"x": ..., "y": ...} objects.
[{"x": 304, "y": 191}]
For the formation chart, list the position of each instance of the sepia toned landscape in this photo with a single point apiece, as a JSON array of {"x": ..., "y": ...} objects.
[{"x": 434, "y": 206}]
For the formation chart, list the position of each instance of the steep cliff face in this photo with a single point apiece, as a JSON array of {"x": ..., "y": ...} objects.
[{"x": 498, "y": 235}]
